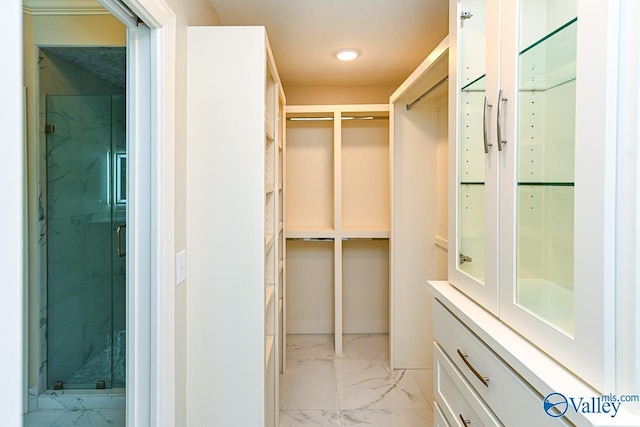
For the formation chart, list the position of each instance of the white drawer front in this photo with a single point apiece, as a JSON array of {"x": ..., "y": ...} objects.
[
  {"x": 511, "y": 399},
  {"x": 438, "y": 417},
  {"x": 460, "y": 405}
]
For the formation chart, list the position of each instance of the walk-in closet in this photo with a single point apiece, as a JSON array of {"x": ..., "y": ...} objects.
[{"x": 407, "y": 213}]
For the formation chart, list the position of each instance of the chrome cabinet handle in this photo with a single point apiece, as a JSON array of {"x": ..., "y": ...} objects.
[
  {"x": 463, "y": 356},
  {"x": 485, "y": 126},
  {"x": 464, "y": 422},
  {"x": 119, "y": 228},
  {"x": 501, "y": 100}
]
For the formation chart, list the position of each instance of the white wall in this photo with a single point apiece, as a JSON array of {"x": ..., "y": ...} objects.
[
  {"x": 11, "y": 216},
  {"x": 188, "y": 12}
]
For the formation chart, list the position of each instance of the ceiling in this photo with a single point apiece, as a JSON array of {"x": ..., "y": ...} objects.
[
  {"x": 108, "y": 63},
  {"x": 394, "y": 36}
]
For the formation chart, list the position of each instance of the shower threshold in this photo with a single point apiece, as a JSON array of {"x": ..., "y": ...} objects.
[{"x": 113, "y": 398}]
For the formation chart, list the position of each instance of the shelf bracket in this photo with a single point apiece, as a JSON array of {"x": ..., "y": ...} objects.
[
  {"x": 465, "y": 15},
  {"x": 464, "y": 258}
]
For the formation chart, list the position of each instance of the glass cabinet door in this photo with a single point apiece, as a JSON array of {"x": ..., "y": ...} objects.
[
  {"x": 546, "y": 84},
  {"x": 552, "y": 184},
  {"x": 473, "y": 254}
]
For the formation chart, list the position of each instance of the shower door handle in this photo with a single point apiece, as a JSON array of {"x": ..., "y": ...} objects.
[{"x": 119, "y": 228}]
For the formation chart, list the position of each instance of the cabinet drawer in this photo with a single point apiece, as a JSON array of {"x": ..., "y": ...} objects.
[
  {"x": 438, "y": 417},
  {"x": 509, "y": 397},
  {"x": 460, "y": 405}
]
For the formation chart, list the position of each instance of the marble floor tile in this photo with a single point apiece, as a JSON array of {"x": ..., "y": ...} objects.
[
  {"x": 85, "y": 417},
  {"x": 310, "y": 385},
  {"x": 369, "y": 384},
  {"x": 93, "y": 418},
  {"x": 366, "y": 346},
  {"x": 41, "y": 418},
  {"x": 304, "y": 418},
  {"x": 387, "y": 418},
  {"x": 424, "y": 377},
  {"x": 308, "y": 347}
]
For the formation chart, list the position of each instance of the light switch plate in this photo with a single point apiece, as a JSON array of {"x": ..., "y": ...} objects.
[{"x": 181, "y": 267}]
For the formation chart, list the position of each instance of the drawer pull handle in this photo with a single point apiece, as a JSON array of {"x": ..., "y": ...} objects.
[
  {"x": 464, "y": 356},
  {"x": 464, "y": 422}
]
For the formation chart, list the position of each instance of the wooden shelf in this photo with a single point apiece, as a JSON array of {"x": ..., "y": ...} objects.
[
  {"x": 364, "y": 232},
  {"x": 268, "y": 129},
  {"x": 268, "y": 187},
  {"x": 309, "y": 232},
  {"x": 268, "y": 242},
  {"x": 268, "y": 349},
  {"x": 268, "y": 296}
]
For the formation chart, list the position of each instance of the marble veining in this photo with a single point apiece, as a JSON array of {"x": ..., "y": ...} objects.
[
  {"x": 294, "y": 418},
  {"x": 83, "y": 417},
  {"x": 353, "y": 389}
]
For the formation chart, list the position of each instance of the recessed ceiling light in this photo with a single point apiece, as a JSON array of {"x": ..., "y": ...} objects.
[{"x": 347, "y": 54}]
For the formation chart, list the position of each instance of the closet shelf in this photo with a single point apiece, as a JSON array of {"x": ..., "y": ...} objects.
[
  {"x": 268, "y": 242},
  {"x": 558, "y": 48},
  {"x": 546, "y": 184},
  {"x": 268, "y": 129},
  {"x": 311, "y": 231},
  {"x": 268, "y": 296},
  {"x": 269, "y": 187},
  {"x": 268, "y": 350},
  {"x": 365, "y": 232}
]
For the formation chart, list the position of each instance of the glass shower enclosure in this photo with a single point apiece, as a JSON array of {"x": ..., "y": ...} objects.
[{"x": 85, "y": 241}]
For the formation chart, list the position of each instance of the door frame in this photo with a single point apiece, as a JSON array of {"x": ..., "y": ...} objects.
[{"x": 150, "y": 214}]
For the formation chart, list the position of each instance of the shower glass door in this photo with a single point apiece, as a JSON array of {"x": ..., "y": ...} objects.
[{"x": 85, "y": 209}]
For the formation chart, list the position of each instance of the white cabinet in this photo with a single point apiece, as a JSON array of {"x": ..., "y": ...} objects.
[
  {"x": 235, "y": 190},
  {"x": 532, "y": 183}
]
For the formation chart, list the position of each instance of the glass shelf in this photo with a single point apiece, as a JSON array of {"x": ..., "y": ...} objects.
[
  {"x": 550, "y": 61},
  {"x": 547, "y": 184},
  {"x": 477, "y": 85},
  {"x": 556, "y": 50}
]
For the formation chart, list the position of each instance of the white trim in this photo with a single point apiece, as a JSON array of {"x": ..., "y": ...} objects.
[
  {"x": 63, "y": 7},
  {"x": 12, "y": 218},
  {"x": 158, "y": 388}
]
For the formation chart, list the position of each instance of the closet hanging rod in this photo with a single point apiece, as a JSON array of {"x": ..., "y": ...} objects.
[
  {"x": 312, "y": 239},
  {"x": 364, "y": 238},
  {"x": 421, "y": 97},
  {"x": 327, "y": 118}
]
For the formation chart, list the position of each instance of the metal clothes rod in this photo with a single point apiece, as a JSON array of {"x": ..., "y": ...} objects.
[
  {"x": 328, "y": 119},
  {"x": 312, "y": 239},
  {"x": 434, "y": 87},
  {"x": 365, "y": 238}
]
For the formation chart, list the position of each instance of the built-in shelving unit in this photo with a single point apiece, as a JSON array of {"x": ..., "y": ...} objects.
[
  {"x": 235, "y": 227},
  {"x": 419, "y": 138},
  {"x": 338, "y": 216}
]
